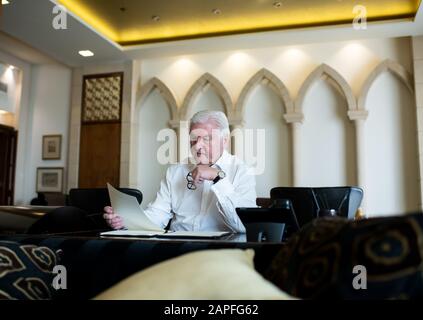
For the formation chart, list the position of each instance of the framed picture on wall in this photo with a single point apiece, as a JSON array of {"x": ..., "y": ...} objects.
[
  {"x": 52, "y": 146},
  {"x": 49, "y": 180}
]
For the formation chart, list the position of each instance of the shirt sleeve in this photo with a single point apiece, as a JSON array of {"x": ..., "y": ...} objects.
[
  {"x": 160, "y": 210},
  {"x": 240, "y": 193}
]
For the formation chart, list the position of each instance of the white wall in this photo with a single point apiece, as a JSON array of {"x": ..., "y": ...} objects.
[
  {"x": 21, "y": 121},
  {"x": 49, "y": 114},
  {"x": 327, "y": 136},
  {"x": 292, "y": 64},
  {"x": 328, "y": 151},
  {"x": 207, "y": 99},
  {"x": 391, "y": 148},
  {"x": 264, "y": 111},
  {"x": 10, "y": 102},
  {"x": 153, "y": 116},
  {"x": 40, "y": 106}
]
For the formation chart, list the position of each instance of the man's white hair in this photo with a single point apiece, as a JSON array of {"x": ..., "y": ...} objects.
[{"x": 218, "y": 117}]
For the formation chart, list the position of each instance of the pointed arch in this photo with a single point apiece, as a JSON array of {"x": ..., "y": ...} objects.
[
  {"x": 201, "y": 82},
  {"x": 337, "y": 80},
  {"x": 387, "y": 65},
  {"x": 165, "y": 92},
  {"x": 273, "y": 82}
]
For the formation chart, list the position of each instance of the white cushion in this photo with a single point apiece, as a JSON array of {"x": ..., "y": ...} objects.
[{"x": 208, "y": 274}]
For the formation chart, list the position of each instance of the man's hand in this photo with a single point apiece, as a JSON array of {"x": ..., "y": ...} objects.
[
  {"x": 113, "y": 220},
  {"x": 203, "y": 172}
]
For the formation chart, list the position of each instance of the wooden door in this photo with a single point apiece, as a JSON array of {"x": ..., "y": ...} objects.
[
  {"x": 99, "y": 158},
  {"x": 8, "y": 143}
]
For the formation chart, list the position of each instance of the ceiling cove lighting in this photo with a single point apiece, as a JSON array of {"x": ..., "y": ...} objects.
[
  {"x": 86, "y": 53},
  {"x": 188, "y": 19}
]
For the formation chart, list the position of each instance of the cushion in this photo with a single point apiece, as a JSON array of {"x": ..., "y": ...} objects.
[
  {"x": 26, "y": 271},
  {"x": 206, "y": 274},
  {"x": 327, "y": 256}
]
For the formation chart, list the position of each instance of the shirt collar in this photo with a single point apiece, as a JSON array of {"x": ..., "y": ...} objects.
[{"x": 223, "y": 160}]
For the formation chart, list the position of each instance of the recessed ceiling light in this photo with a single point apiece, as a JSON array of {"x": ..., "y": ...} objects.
[
  {"x": 155, "y": 18},
  {"x": 216, "y": 11},
  {"x": 86, "y": 53},
  {"x": 3, "y": 2},
  {"x": 277, "y": 4}
]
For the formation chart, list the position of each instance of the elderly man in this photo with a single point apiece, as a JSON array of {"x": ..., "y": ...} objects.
[{"x": 204, "y": 195}]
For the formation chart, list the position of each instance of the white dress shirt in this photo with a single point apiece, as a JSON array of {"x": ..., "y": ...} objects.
[{"x": 211, "y": 207}]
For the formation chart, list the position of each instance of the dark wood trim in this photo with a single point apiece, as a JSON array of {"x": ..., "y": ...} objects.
[
  {"x": 88, "y": 123},
  {"x": 7, "y": 170}
]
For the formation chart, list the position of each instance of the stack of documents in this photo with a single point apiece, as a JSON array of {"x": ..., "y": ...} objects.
[{"x": 139, "y": 225}]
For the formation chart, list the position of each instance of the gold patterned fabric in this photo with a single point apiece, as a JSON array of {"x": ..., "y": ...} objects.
[
  {"x": 26, "y": 271},
  {"x": 319, "y": 261},
  {"x": 102, "y": 98}
]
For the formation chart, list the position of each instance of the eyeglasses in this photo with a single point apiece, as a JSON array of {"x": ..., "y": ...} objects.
[
  {"x": 194, "y": 139},
  {"x": 190, "y": 184}
]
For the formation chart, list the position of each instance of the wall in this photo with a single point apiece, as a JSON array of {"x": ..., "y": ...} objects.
[
  {"x": 20, "y": 120},
  {"x": 320, "y": 117},
  {"x": 9, "y": 103},
  {"x": 41, "y": 106},
  {"x": 418, "y": 78},
  {"x": 49, "y": 114}
]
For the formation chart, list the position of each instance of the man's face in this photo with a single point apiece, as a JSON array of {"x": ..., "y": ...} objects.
[{"x": 207, "y": 143}]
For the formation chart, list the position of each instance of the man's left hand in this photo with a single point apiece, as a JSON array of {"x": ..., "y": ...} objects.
[{"x": 204, "y": 172}]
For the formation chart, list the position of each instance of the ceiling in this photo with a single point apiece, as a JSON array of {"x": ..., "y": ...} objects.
[
  {"x": 129, "y": 22},
  {"x": 189, "y": 26}
]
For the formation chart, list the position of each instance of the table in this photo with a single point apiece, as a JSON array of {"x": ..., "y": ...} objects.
[
  {"x": 19, "y": 218},
  {"x": 95, "y": 234}
]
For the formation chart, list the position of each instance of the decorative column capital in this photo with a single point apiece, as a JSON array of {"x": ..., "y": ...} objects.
[
  {"x": 355, "y": 115},
  {"x": 236, "y": 122},
  {"x": 174, "y": 124},
  {"x": 294, "y": 117}
]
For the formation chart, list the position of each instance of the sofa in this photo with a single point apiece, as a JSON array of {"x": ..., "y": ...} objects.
[
  {"x": 318, "y": 262},
  {"x": 94, "y": 265}
]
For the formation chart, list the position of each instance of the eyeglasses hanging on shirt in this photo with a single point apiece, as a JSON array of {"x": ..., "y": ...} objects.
[{"x": 190, "y": 185}]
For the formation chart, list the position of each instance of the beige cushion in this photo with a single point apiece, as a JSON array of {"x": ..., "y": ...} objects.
[{"x": 208, "y": 274}]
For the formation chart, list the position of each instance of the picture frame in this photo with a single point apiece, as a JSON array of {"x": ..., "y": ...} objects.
[
  {"x": 49, "y": 180},
  {"x": 52, "y": 147}
]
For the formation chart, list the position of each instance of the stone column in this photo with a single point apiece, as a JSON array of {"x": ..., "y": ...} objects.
[
  {"x": 296, "y": 120},
  {"x": 418, "y": 89},
  {"x": 237, "y": 137},
  {"x": 359, "y": 117}
]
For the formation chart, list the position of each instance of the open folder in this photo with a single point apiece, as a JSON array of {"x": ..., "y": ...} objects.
[{"x": 139, "y": 225}]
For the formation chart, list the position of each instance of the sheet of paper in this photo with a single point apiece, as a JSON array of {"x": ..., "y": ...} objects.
[
  {"x": 175, "y": 234},
  {"x": 130, "y": 233},
  {"x": 128, "y": 208},
  {"x": 195, "y": 234}
]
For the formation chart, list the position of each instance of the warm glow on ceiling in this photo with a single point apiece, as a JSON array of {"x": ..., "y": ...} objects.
[{"x": 132, "y": 22}]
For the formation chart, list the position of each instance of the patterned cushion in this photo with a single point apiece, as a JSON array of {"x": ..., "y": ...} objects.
[
  {"x": 26, "y": 271},
  {"x": 318, "y": 262}
]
